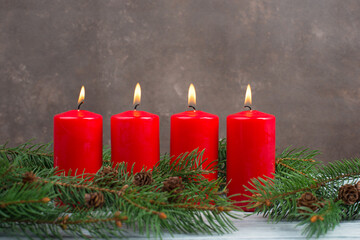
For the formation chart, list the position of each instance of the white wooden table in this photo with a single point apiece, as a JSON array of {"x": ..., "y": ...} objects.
[{"x": 255, "y": 227}]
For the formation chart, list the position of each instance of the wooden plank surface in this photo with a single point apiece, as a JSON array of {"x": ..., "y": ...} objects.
[{"x": 252, "y": 227}]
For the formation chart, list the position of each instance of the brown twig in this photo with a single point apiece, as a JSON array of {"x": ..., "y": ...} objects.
[
  {"x": 80, "y": 186},
  {"x": 160, "y": 214},
  {"x": 226, "y": 191},
  {"x": 298, "y": 159},
  {"x": 30, "y": 153},
  {"x": 119, "y": 193},
  {"x": 5, "y": 204},
  {"x": 291, "y": 168},
  {"x": 64, "y": 220},
  {"x": 314, "y": 186},
  {"x": 7, "y": 171},
  {"x": 194, "y": 207}
]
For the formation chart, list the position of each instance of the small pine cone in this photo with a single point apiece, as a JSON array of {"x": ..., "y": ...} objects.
[
  {"x": 94, "y": 200},
  {"x": 29, "y": 177},
  {"x": 357, "y": 185},
  {"x": 108, "y": 171},
  {"x": 108, "y": 175},
  {"x": 175, "y": 186},
  {"x": 307, "y": 200},
  {"x": 348, "y": 194},
  {"x": 142, "y": 179},
  {"x": 173, "y": 183}
]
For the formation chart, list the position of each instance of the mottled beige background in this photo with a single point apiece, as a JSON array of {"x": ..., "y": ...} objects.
[{"x": 302, "y": 58}]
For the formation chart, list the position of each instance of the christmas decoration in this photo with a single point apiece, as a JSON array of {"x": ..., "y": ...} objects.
[
  {"x": 173, "y": 183},
  {"x": 29, "y": 177},
  {"x": 107, "y": 177},
  {"x": 174, "y": 186},
  {"x": 357, "y": 185},
  {"x": 99, "y": 205},
  {"x": 142, "y": 179},
  {"x": 94, "y": 200},
  {"x": 348, "y": 194},
  {"x": 307, "y": 200},
  {"x": 297, "y": 175},
  {"x": 302, "y": 189}
]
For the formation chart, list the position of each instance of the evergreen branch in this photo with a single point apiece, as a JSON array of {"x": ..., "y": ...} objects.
[
  {"x": 42, "y": 200},
  {"x": 42, "y": 150},
  {"x": 196, "y": 207},
  {"x": 297, "y": 173},
  {"x": 204, "y": 209},
  {"x": 319, "y": 223},
  {"x": 278, "y": 161},
  {"x": 295, "y": 159},
  {"x": 222, "y": 159},
  {"x": 23, "y": 151},
  {"x": 64, "y": 220},
  {"x": 83, "y": 186},
  {"x": 160, "y": 214},
  {"x": 7, "y": 171},
  {"x": 121, "y": 193}
]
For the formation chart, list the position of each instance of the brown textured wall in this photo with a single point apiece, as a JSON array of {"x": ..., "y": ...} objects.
[{"x": 302, "y": 58}]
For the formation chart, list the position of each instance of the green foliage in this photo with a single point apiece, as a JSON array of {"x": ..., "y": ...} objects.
[
  {"x": 222, "y": 159},
  {"x": 327, "y": 218},
  {"x": 199, "y": 207},
  {"x": 296, "y": 173},
  {"x": 302, "y": 160},
  {"x": 33, "y": 155}
]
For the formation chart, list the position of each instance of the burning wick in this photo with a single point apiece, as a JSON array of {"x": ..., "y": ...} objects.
[
  {"x": 248, "y": 100},
  {"x": 137, "y": 96},
  {"x": 81, "y": 97},
  {"x": 190, "y": 106},
  {"x": 192, "y": 97},
  {"x": 80, "y": 105}
]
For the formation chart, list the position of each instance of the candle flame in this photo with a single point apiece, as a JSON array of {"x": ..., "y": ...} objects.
[
  {"x": 192, "y": 96},
  {"x": 137, "y": 94},
  {"x": 248, "y": 96},
  {"x": 81, "y": 95}
]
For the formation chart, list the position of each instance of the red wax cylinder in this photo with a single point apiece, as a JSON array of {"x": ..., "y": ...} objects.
[
  {"x": 250, "y": 149},
  {"x": 192, "y": 130},
  {"x": 135, "y": 139},
  {"x": 78, "y": 142}
]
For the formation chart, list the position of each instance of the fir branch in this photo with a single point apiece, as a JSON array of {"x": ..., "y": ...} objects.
[
  {"x": 320, "y": 222},
  {"x": 64, "y": 220},
  {"x": 29, "y": 148},
  {"x": 297, "y": 172},
  {"x": 160, "y": 214},
  {"x": 296, "y": 159},
  {"x": 204, "y": 210},
  {"x": 279, "y": 162},
  {"x": 222, "y": 159},
  {"x": 196, "y": 207},
  {"x": 42, "y": 200},
  {"x": 83, "y": 186}
]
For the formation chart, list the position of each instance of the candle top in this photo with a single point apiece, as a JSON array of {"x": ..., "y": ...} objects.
[
  {"x": 135, "y": 114},
  {"x": 75, "y": 114},
  {"x": 195, "y": 114},
  {"x": 251, "y": 114}
]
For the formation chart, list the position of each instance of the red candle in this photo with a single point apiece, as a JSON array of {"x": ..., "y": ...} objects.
[
  {"x": 195, "y": 129},
  {"x": 250, "y": 148},
  {"x": 135, "y": 137},
  {"x": 78, "y": 140}
]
